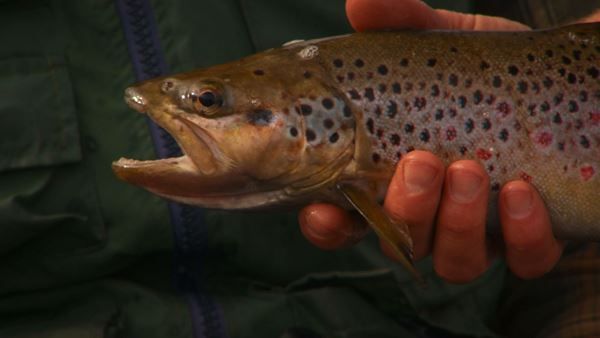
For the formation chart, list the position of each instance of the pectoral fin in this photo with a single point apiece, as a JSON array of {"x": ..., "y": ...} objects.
[{"x": 395, "y": 234}]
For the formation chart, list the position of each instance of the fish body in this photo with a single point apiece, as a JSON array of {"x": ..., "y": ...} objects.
[{"x": 297, "y": 124}]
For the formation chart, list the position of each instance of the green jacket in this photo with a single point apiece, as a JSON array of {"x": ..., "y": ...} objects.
[{"x": 85, "y": 255}]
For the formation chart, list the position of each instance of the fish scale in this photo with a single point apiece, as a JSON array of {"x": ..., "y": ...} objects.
[
  {"x": 327, "y": 120},
  {"x": 526, "y": 105}
]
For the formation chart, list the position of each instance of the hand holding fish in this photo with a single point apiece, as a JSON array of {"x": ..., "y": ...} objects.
[
  {"x": 422, "y": 185},
  {"x": 494, "y": 107}
]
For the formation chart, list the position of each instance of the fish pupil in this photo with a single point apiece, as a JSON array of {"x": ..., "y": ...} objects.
[{"x": 207, "y": 99}]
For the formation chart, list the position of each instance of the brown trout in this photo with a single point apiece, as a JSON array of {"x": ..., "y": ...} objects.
[{"x": 328, "y": 119}]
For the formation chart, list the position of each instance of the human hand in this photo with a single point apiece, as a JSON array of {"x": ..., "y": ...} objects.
[{"x": 422, "y": 186}]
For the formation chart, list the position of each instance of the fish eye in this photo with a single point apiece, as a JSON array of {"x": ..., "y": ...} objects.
[{"x": 206, "y": 101}]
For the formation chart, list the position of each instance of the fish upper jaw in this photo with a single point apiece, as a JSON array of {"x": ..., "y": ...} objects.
[{"x": 135, "y": 100}]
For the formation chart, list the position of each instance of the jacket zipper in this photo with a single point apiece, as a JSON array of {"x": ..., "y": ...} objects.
[{"x": 141, "y": 35}]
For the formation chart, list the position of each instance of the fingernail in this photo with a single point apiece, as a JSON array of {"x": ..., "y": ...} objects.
[
  {"x": 464, "y": 185},
  {"x": 418, "y": 176},
  {"x": 519, "y": 202}
]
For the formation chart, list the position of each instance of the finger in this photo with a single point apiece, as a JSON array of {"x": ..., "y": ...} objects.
[
  {"x": 413, "y": 196},
  {"x": 531, "y": 249},
  {"x": 329, "y": 227},
  {"x": 460, "y": 251},
  {"x": 396, "y": 14}
]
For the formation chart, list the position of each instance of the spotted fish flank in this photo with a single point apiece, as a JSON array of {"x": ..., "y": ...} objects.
[{"x": 328, "y": 119}]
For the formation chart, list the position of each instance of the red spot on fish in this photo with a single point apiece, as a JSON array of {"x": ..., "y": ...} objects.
[
  {"x": 543, "y": 138},
  {"x": 525, "y": 177},
  {"x": 587, "y": 172},
  {"x": 483, "y": 154},
  {"x": 595, "y": 118},
  {"x": 451, "y": 133},
  {"x": 503, "y": 108}
]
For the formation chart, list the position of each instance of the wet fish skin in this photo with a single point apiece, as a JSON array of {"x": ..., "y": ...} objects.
[{"x": 289, "y": 125}]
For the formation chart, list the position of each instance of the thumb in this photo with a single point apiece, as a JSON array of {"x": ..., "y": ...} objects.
[{"x": 396, "y": 14}]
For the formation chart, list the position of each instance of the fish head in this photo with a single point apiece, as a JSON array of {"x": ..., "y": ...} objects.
[{"x": 253, "y": 133}]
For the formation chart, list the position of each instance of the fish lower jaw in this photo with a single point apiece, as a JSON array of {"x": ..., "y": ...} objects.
[{"x": 124, "y": 162}]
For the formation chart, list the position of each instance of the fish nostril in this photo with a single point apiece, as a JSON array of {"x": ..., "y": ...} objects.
[{"x": 135, "y": 100}]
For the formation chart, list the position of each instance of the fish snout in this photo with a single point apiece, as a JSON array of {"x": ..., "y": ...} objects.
[{"x": 135, "y": 100}]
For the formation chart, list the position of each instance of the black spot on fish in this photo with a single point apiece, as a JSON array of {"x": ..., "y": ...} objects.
[
  {"x": 557, "y": 119},
  {"x": 583, "y": 96},
  {"x": 435, "y": 90},
  {"x": 486, "y": 124},
  {"x": 359, "y": 63},
  {"x": 395, "y": 139},
  {"x": 522, "y": 87},
  {"x": 484, "y": 65},
  {"x": 305, "y": 109},
  {"x": 548, "y": 82},
  {"x": 404, "y": 62},
  {"x": 593, "y": 72},
  {"x": 573, "y": 106},
  {"x": 408, "y": 86},
  {"x": 453, "y": 80},
  {"x": 583, "y": 140},
  {"x": 259, "y": 72},
  {"x": 338, "y": 63},
  {"x": 577, "y": 55},
  {"x": 469, "y": 126},
  {"x": 293, "y": 132},
  {"x": 558, "y": 98},
  {"x": 439, "y": 114},
  {"x": 371, "y": 126},
  {"x": 420, "y": 103},
  {"x": 544, "y": 106},
  {"x": 462, "y": 101},
  {"x": 477, "y": 97},
  {"x": 334, "y": 138},
  {"x": 328, "y": 123},
  {"x": 497, "y": 81},
  {"x": 382, "y": 88},
  {"x": 354, "y": 94},
  {"x": 396, "y": 88},
  {"x": 513, "y": 70},
  {"x": 562, "y": 72},
  {"x": 409, "y": 128},
  {"x": 260, "y": 117},
  {"x": 424, "y": 135},
  {"x": 392, "y": 109},
  {"x": 307, "y": 74},
  {"x": 530, "y": 57},
  {"x": 468, "y": 83},
  {"x": 463, "y": 150},
  {"x": 431, "y": 62},
  {"x": 453, "y": 49},
  {"x": 566, "y": 60},
  {"x": 549, "y": 53},
  {"x": 369, "y": 94},
  {"x": 572, "y": 78},
  {"x": 310, "y": 135},
  {"x": 376, "y": 158},
  {"x": 327, "y": 103},
  {"x": 347, "y": 111},
  {"x": 382, "y": 69},
  {"x": 503, "y": 135},
  {"x": 351, "y": 76}
]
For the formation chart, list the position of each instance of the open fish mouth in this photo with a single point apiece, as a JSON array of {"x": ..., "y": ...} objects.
[{"x": 200, "y": 171}]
